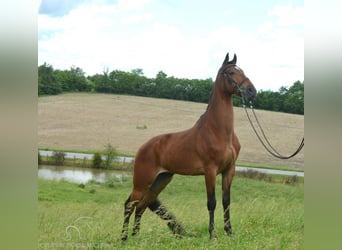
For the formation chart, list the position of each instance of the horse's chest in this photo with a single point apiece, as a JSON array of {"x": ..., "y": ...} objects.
[
  {"x": 222, "y": 154},
  {"x": 226, "y": 158}
]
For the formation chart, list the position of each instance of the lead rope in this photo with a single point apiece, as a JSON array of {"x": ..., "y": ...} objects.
[{"x": 275, "y": 153}]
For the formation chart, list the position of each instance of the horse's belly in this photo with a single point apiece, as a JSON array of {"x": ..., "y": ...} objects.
[{"x": 183, "y": 163}]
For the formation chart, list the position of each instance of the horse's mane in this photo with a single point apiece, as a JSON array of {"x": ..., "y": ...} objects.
[
  {"x": 200, "y": 120},
  {"x": 209, "y": 101}
]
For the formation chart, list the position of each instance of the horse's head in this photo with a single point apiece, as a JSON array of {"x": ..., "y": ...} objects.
[{"x": 234, "y": 79}]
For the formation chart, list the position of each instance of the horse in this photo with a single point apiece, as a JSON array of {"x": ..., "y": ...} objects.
[{"x": 209, "y": 148}]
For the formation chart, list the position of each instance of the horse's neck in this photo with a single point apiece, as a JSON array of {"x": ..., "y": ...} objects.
[{"x": 220, "y": 115}]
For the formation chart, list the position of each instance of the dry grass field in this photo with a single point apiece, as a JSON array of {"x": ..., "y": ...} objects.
[{"x": 90, "y": 121}]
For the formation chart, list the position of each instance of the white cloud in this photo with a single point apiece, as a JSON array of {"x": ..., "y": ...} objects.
[
  {"x": 125, "y": 5},
  {"x": 126, "y": 36},
  {"x": 288, "y": 15},
  {"x": 136, "y": 18}
]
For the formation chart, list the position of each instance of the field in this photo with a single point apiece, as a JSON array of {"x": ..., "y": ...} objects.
[
  {"x": 263, "y": 215},
  {"x": 90, "y": 121}
]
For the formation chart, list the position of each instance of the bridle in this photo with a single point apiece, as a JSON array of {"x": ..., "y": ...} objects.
[
  {"x": 231, "y": 81},
  {"x": 264, "y": 141}
]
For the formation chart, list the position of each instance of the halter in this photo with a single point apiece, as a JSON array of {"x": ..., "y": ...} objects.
[{"x": 231, "y": 81}]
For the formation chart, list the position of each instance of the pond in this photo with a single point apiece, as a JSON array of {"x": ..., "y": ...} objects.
[
  {"x": 83, "y": 175},
  {"x": 79, "y": 175}
]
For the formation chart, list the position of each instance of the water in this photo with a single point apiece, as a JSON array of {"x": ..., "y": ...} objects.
[
  {"x": 79, "y": 175},
  {"x": 131, "y": 159}
]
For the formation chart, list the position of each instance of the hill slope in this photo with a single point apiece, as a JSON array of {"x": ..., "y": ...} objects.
[{"x": 90, "y": 121}]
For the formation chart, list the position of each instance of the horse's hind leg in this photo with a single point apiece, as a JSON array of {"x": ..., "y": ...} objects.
[
  {"x": 129, "y": 207},
  {"x": 150, "y": 196},
  {"x": 150, "y": 200},
  {"x": 158, "y": 185},
  {"x": 162, "y": 212}
]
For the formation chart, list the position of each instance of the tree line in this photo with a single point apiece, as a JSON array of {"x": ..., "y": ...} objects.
[{"x": 53, "y": 82}]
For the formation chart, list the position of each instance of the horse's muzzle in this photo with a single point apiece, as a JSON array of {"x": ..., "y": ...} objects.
[{"x": 249, "y": 93}]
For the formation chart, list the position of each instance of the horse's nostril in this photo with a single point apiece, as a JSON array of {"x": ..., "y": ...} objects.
[{"x": 251, "y": 92}]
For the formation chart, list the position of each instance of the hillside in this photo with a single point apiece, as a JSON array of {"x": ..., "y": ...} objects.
[{"x": 90, "y": 121}]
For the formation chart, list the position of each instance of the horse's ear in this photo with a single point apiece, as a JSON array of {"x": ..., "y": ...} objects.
[
  {"x": 226, "y": 60},
  {"x": 234, "y": 60}
]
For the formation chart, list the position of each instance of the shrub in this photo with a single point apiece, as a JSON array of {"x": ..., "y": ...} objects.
[
  {"x": 110, "y": 183},
  {"x": 97, "y": 160},
  {"x": 252, "y": 174},
  {"x": 58, "y": 158},
  {"x": 39, "y": 158},
  {"x": 110, "y": 155},
  {"x": 291, "y": 180}
]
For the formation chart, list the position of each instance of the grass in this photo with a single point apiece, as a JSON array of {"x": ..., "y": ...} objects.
[
  {"x": 264, "y": 215},
  {"x": 87, "y": 122}
]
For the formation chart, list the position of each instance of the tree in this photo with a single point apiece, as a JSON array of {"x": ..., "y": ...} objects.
[
  {"x": 47, "y": 84},
  {"x": 294, "y": 100},
  {"x": 137, "y": 71},
  {"x": 285, "y": 100},
  {"x": 101, "y": 82},
  {"x": 77, "y": 80},
  {"x": 290, "y": 100},
  {"x": 268, "y": 100},
  {"x": 63, "y": 79}
]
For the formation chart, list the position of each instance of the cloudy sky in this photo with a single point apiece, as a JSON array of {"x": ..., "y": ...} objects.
[{"x": 185, "y": 39}]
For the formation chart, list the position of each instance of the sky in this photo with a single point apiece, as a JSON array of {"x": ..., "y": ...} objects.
[{"x": 184, "y": 39}]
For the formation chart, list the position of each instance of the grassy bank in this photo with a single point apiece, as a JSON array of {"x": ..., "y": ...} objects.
[
  {"x": 84, "y": 151},
  {"x": 264, "y": 215},
  {"x": 87, "y": 163},
  {"x": 83, "y": 163}
]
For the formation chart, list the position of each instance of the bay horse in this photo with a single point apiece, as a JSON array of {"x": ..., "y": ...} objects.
[{"x": 209, "y": 148}]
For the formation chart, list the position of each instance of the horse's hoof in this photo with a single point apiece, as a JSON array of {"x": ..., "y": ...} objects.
[
  {"x": 213, "y": 236},
  {"x": 229, "y": 233}
]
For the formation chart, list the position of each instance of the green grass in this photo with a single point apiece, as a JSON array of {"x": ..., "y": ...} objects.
[{"x": 263, "y": 215}]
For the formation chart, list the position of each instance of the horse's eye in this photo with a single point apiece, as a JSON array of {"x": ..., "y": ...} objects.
[{"x": 231, "y": 73}]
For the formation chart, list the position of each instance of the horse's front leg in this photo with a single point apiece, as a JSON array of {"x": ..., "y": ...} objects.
[
  {"x": 210, "y": 181},
  {"x": 227, "y": 178}
]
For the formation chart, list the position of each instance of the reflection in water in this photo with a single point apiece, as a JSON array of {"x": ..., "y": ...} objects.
[
  {"x": 83, "y": 175},
  {"x": 78, "y": 175}
]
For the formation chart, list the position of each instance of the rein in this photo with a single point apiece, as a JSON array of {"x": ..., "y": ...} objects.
[{"x": 268, "y": 147}]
